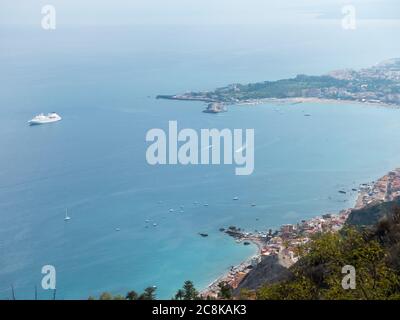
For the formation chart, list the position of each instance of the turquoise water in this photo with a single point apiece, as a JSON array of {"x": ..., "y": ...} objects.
[{"x": 103, "y": 83}]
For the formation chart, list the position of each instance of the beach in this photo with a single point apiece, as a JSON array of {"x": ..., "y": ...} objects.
[
  {"x": 300, "y": 100},
  {"x": 288, "y": 238}
]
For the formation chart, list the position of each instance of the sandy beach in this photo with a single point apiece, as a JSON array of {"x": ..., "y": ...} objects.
[
  {"x": 299, "y": 100},
  {"x": 212, "y": 289}
]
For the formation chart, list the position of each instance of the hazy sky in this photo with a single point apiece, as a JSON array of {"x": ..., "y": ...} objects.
[{"x": 105, "y": 12}]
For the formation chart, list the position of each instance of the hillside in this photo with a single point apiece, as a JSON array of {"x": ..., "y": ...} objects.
[
  {"x": 372, "y": 214},
  {"x": 373, "y": 251}
]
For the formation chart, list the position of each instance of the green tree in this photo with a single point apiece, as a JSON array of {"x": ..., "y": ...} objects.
[
  {"x": 225, "y": 290},
  {"x": 190, "y": 292},
  {"x": 187, "y": 292},
  {"x": 179, "y": 294},
  {"x": 148, "y": 294},
  {"x": 132, "y": 295}
]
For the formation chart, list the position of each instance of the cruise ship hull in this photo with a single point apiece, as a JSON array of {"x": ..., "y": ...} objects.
[
  {"x": 42, "y": 119},
  {"x": 38, "y": 122}
]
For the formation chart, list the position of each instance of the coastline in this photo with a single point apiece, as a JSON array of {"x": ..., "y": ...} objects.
[
  {"x": 384, "y": 189},
  {"x": 376, "y": 85},
  {"x": 236, "y": 274},
  {"x": 294, "y": 101},
  {"x": 299, "y": 100},
  {"x": 212, "y": 287}
]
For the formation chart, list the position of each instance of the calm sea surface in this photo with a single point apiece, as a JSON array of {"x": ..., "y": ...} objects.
[{"x": 102, "y": 81}]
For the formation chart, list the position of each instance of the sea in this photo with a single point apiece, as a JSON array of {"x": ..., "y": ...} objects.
[{"x": 103, "y": 81}]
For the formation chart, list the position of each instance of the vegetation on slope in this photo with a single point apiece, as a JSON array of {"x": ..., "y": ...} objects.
[{"x": 373, "y": 252}]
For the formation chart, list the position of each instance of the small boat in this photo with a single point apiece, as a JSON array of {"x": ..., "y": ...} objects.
[
  {"x": 236, "y": 198},
  {"x": 43, "y": 119},
  {"x": 171, "y": 210},
  {"x": 117, "y": 229},
  {"x": 206, "y": 204},
  {"x": 342, "y": 192},
  {"x": 204, "y": 235},
  {"x": 67, "y": 218},
  {"x": 154, "y": 224}
]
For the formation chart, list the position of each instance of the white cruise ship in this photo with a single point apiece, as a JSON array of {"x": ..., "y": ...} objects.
[{"x": 42, "y": 119}]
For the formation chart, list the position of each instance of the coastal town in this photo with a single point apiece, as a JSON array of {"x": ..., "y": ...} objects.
[
  {"x": 378, "y": 84},
  {"x": 384, "y": 189},
  {"x": 283, "y": 243}
]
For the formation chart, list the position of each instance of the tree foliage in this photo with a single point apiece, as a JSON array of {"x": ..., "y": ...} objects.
[
  {"x": 225, "y": 291},
  {"x": 188, "y": 292},
  {"x": 373, "y": 252},
  {"x": 148, "y": 294}
]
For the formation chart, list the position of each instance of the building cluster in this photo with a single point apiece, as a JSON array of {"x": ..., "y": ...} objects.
[
  {"x": 285, "y": 242},
  {"x": 357, "y": 91},
  {"x": 385, "y": 189},
  {"x": 377, "y": 84},
  {"x": 291, "y": 236}
]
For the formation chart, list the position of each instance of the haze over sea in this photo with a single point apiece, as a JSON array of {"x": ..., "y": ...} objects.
[{"x": 102, "y": 81}]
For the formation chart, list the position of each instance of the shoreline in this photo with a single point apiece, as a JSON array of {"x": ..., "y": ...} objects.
[
  {"x": 363, "y": 191},
  {"x": 300, "y": 100},
  {"x": 374, "y": 85},
  {"x": 294, "y": 101},
  {"x": 384, "y": 189},
  {"x": 213, "y": 286}
]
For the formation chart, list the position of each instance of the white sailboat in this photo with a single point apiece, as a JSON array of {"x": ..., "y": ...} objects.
[{"x": 67, "y": 218}]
